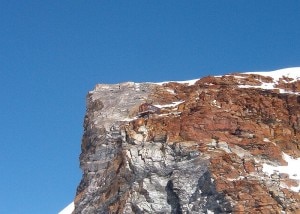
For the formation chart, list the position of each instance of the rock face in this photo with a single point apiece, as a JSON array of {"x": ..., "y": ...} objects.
[{"x": 201, "y": 147}]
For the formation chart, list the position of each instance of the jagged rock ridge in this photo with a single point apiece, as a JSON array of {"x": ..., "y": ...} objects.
[{"x": 207, "y": 146}]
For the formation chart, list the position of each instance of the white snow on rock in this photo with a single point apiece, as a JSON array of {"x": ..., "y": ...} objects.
[
  {"x": 267, "y": 86},
  {"x": 188, "y": 82},
  {"x": 174, "y": 104},
  {"x": 171, "y": 91},
  {"x": 292, "y": 169},
  {"x": 293, "y": 73},
  {"x": 68, "y": 209},
  {"x": 277, "y": 74}
]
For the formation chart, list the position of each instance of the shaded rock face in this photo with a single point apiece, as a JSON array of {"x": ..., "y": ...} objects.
[{"x": 202, "y": 152}]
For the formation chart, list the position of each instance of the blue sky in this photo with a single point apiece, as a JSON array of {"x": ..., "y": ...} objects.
[{"x": 53, "y": 52}]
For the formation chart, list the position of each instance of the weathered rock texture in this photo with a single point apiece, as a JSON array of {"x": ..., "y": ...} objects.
[{"x": 201, "y": 152}]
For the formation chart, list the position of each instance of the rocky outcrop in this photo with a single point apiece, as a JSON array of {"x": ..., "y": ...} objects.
[{"x": 191, "y": 148}]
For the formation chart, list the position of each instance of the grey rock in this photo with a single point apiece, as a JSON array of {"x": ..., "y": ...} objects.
[{"x": 134, "y": 175}]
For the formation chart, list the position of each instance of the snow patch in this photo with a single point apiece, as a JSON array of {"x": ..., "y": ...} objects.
[
  {"x": 282, "y": 91},
  {"x": 127, "y": 119},
  {"x": 236, "y": 179},
  {"x": 188, "y": 82},
  {"x": 68, "y": 209},
  {"x": 171, "y": 91},
  {"x": 292, "y": 169},
  {"x": 268, "y": 86},
  {"x": 173, "y": 104},
  {"x": 214, "y": 103}
]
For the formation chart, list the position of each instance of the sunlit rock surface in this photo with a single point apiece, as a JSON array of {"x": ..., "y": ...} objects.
[{"x": 226, "y": 144}]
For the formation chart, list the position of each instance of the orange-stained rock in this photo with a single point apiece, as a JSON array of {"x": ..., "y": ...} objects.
[{"x": 229, "y": 129}]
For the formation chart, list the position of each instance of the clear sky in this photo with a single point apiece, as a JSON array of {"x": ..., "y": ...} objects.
[{"x": 52, "y": 52}]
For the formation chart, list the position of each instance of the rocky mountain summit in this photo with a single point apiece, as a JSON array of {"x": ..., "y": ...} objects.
[{"x": 220, "y": 144}]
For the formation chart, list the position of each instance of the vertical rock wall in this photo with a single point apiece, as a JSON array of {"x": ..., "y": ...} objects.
[{"x": 202, "y": 152}]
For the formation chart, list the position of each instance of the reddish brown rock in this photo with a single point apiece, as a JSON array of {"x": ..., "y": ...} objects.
[{"x": 233, "y": 130}]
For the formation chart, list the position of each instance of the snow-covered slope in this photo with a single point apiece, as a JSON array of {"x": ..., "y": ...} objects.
[
  {"x": 293, "y": 73},
  {"x": 287, "y": 72},
  {"x": 287, "y": 75},
  {"x": 68, "y": 210}
]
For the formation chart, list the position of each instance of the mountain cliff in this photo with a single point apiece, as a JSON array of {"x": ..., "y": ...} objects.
[{"x": 220, "y": 144}]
